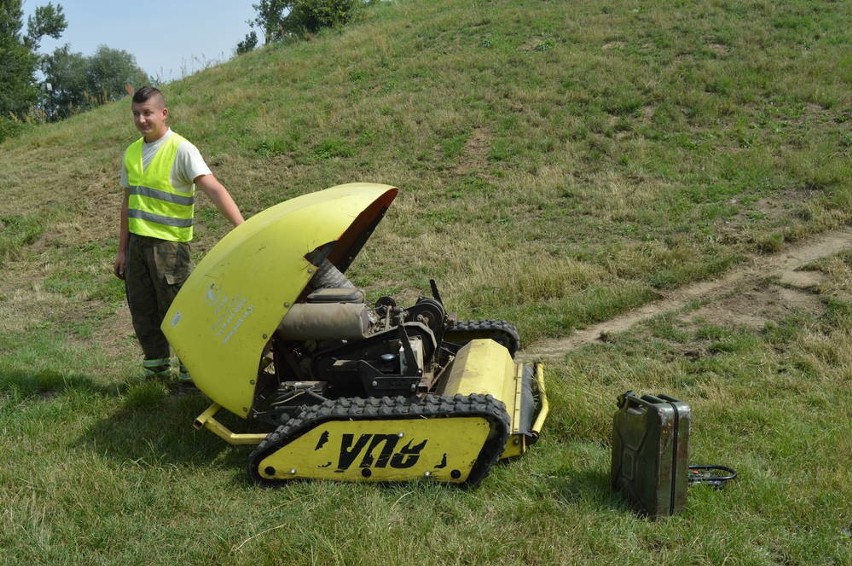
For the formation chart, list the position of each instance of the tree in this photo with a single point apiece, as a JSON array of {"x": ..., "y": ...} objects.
[
  {"x": 270, "y": 14},
  {"x": 47, "y": 21},
  {"x": 74, "y": 83},
  {"x": 64, "y": 82},
  {"x": 18, "y": 58},
  {"x": 284, "y": 19},
  {"x": 110, "y": 71},
  {"x": 248, "y": 44},
  {"x": 309, "y": 16}
]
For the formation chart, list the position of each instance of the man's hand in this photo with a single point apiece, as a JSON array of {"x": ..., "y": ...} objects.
[{"x": 118, "y": 267}]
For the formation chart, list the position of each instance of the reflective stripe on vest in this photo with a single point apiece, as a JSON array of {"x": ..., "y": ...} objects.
[{"x": 156, "y": 208}]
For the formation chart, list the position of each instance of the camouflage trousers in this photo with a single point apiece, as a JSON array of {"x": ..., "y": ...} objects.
[{"x": 154, "y": 273}]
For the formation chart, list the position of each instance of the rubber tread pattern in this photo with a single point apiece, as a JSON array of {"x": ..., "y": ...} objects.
[
  {"x": 387, "y": 408},
  {"x": 501, "y": 331}
]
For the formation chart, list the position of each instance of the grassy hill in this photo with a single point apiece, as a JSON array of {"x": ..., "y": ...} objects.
[{"x": 560, "y": 164}]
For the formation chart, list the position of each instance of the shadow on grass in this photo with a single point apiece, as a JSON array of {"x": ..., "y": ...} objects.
[
  {"x": 143, "y": 421},
  {"x": 48, "y": 383},
  {"x": 154, "y": 426},
  {"x": 588, "y": 488}
]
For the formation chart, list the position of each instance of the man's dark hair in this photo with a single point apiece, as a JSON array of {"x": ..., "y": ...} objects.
[{"x": 145, "y": 93}]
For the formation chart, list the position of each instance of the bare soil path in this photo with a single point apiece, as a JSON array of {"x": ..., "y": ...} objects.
[{"x": 750, "y": 294}]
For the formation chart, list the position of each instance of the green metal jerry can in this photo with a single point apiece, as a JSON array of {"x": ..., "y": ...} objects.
[{"x": 650, "y": 453}]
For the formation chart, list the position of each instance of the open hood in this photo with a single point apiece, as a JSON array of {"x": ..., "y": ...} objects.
[{"x": 240, "y": 291}]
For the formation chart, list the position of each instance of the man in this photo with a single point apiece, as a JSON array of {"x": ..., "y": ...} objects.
[{"x": 159, "y": 175}]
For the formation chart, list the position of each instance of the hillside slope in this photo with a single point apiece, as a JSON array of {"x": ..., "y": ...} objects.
[
  {"x": 559, "y": 163},
  {"x": 670, "y": 177}
]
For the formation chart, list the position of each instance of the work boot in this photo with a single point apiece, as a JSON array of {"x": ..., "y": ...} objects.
[
  {"x": 157, "y": 369},
  {"x": 183, "y": 374},
  {"x": 184, "y": 381}
]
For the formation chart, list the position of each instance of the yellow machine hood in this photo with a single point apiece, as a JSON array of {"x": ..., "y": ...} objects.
[{"x": 226, "y": 312}]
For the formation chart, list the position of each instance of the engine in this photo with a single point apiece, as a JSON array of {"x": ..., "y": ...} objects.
[{"x": 336, "y": 345}]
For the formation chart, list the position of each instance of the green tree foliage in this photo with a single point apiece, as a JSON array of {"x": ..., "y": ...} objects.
[
  {"x": 309, "y": 16},
  {"x": 280, "y": 20},
  {"x": 48, "y": 21},
  {"x": 65, "y": 83},
  {"x": 248, "y": 44},
  {"x": 17, "y": 62},
  {"x": 110, "y": 71},
  {"x": 74, "y": 83},
  {"x": 270, "y": 15},
  {"x": 18, "y": 58}
]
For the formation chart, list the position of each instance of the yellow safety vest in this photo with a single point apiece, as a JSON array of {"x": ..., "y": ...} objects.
[{"x": 156, "y": 208}]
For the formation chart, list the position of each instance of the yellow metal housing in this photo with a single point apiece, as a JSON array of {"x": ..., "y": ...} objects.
[
  {"x": 376, "y": 450},
  {"x": 225, "y": 313},
  {"x": 484, "y": 366}
]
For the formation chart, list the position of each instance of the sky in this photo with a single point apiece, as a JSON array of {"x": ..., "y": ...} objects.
[{"x": 168, "y": 39}]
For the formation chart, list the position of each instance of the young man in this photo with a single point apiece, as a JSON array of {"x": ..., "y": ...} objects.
[{"x": 159, "y": 175}]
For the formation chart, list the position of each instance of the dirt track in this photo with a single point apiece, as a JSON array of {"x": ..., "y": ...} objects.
[{"x": 748, "y": 295}]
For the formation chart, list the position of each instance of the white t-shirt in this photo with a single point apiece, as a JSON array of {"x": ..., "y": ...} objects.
[{"x": 188, "y": 163}]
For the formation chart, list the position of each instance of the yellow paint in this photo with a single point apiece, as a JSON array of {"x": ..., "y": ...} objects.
[
  {"x": 207, "y": 420},
  {"x": 484, "y": 366},
  {"x": 240, "y": 291},
  {"x": 376, "y": 450}
]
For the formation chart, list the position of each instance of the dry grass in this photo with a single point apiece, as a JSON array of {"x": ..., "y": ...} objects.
[{"x": 560, "y": 164}]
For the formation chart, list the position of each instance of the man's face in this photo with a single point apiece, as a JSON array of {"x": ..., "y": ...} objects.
[{"x": 150, "y": 118}]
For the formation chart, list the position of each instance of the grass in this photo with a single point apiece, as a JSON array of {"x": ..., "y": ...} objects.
[{"x": 560, "y": 164}]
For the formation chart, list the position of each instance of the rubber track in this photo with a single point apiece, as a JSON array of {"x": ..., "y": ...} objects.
[
  {"x": 388, "y": 408},
  {"x": 500, "y": 331}
]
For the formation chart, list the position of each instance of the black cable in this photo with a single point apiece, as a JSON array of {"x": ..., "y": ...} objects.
[{"x": 708, "y": 474}]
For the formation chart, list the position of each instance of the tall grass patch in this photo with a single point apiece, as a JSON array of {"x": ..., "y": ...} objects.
[{"x": 559, "y": 164}]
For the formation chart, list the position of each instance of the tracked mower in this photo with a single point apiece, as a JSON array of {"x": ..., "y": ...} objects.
[{"x": 333, "y": 387}]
